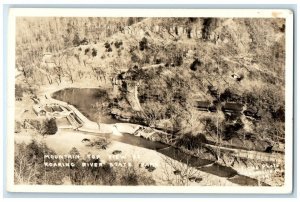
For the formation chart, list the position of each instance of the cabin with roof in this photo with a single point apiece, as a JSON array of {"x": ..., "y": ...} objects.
[
  {"x": 252, "y": 113},
  {"x": 212, "y": 108},
  {"x": 202, "y": 105},
  {"x": 232, "y": 107}
]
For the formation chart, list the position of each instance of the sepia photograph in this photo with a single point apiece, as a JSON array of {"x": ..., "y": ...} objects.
[{"x": 156, "y": 100}]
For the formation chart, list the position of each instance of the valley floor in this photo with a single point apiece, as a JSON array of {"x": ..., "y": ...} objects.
[{"x": 64, "y": 140}]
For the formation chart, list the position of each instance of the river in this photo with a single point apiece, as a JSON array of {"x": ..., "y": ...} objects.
[{"x": 85, "y": 100}]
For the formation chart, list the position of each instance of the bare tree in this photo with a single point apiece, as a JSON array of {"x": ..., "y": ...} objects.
[
  {"x": 178, "y": 173},
  {"x": 68, "y": 73}
]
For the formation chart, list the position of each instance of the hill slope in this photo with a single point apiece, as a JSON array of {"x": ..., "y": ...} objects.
[{"x": 176, "y": 62}]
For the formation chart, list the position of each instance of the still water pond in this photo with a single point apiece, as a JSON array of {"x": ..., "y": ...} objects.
[{"x": 88, "y": 101}]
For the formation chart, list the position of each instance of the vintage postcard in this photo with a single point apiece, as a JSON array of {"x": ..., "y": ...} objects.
[{"x": 150, "y": 101}]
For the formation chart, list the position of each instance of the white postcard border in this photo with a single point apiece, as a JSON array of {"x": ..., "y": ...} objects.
[{"x": 229, "y": 13}]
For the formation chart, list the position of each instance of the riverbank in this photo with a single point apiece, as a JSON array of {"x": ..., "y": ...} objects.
[
  {"x": 164, "y": 166},
  {"x": 105, "y": 130}
]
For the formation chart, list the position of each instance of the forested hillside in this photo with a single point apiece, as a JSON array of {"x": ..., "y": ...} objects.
[{"x": 175, "y": 63}]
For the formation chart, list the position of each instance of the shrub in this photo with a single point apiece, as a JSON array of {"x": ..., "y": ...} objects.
[
  {"x": 74, "y": 151},
  {"x": 130, "y": 21},
  {"x": 94, "y": 52},
  {"x": 118, "y": 44},
  {"x": 100, "y": 143},
  {"x": 130, "y": 179},
  {"x": 210, "y": 125},
  {"x": 84, "y": 41},
  {"x": 230, "y": 130},
  {"x": 86, "y": 51},
  {"x": 143, "y": 44},
  {"x": 278, "y": 114},
  {"x": 76, "y": 40},
  {"x": 250, "y": 99},
  {"x": 119, "y": 52},
  {"x": 106, "y": 45},
  {"x": 178, "y": 60},
  {"x": 157, "y": 60},
  {"x": 176, "y": 30},
  {"x": 195, "y": 64},
  {"x": 21, "y": 89},
  {"x": 49, "y": 127},
  {"x": 134, "y": 58},
  {"x": 207, "y": 22},
  {"x": 189, "y": 32},
  {"x": 228, "y": 95},
  {"x": 36, "y": 124},
  {"x": 192, "y": 19},
  {"x": 190, "y": 141}
]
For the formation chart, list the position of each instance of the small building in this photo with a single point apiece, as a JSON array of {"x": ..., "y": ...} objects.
[
  {"x": 212, "y": 108},
  {"x": 232, "y": 107},
  {"x": 252, "y": 113},
  {"x": 202, "y": 105},
  {"x": 39, "y": 110}
]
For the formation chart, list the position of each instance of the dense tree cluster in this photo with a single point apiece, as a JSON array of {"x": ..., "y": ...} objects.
[{"x": 30, "y": 169}]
